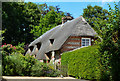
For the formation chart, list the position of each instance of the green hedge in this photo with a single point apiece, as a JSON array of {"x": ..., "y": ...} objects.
[{"x": 82, "y": 63}]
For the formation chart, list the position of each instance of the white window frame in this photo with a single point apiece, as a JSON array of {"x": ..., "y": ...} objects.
[{"x": 85, "y": 42}]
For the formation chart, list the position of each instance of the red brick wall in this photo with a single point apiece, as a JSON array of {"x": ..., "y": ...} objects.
[{"x": 73, "y": 42}]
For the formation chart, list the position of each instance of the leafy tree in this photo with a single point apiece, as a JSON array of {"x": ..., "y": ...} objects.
[
  {"x": 22, "y": 20},
  {"x": 110, "y": 46},
  {"x": 107, "y": 25},
  {"x": 18, "y": 19},
  {"x": 44, "y": 9},
  {"x": 50, "y": 20},
  {"x": 94, "y": 15}
]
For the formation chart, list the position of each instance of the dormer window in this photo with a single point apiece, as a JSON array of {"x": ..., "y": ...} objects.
[
  {"x": 31, "y": 48},
  {"x": 51, "y": 41},
  {"x": 38, "y": 45}
]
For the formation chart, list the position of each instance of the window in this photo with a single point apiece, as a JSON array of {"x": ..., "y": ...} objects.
[
  {"x": 86, "y": 42},
  {"x": 38, "y": 45},
  {"x": 31, "y": 48},
  {"x": 51, "y": 41}
]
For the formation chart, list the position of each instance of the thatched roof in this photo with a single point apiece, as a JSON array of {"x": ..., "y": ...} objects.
[{"x": 55, "y": 38}]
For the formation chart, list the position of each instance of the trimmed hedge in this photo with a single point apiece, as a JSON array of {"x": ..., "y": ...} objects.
[{"x": 82, "y": 63}]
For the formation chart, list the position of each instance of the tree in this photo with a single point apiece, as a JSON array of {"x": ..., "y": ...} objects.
[
  {"x": 108, "y": 25},
  {"x": 50, "y": 20},
  {"x": 110, "y": 46},
  {"x": 94, "y": 15},
  {"x": 18, "y": 20},
  {"x": 21, "y": 20}
]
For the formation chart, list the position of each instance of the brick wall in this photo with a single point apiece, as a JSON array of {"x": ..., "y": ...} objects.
[{"x": 73, "y": 42}]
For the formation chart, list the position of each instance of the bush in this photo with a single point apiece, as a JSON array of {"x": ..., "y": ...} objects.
[
  {"x": 8, "y": 49},
  {"x": 14, "y": 63},
  {"x": 42, "y": 69},
  {"x": 82, "y": 63},
  {"x": 18, "y": 65}
]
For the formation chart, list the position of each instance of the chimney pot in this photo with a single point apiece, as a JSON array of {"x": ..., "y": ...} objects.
[{"x": 64, "y": 19}]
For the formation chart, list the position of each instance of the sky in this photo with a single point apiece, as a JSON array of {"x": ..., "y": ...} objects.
[{"x": 75, "y": 7}]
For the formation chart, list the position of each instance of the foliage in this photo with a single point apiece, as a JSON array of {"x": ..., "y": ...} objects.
[
  {"x": 20, "y": 48},
  {"x": 82, "y": 63},
  {"x": 9, "y": 49},
  {"x": 16, "y": 21},
  {"x": 50, "y": 20},
  {"x": 107, "y": 24},
  {"x": 18, "y": 65},
  {"x": 20, "y": 18},
  {"x": 41, "y": 69},
  {"x": 110, "y": 47},
  {"x": 94, "y": 15},
  {"x": 44, "y": 9},
  {"x": 1, "y": 33}
]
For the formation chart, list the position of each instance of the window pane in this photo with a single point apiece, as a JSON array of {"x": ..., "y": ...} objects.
[
  {"x": 87, "y": 43},
  {"x": 83, "y": 43},
  {"x": 87, "y": 39},
  {"x": 83, "y": 39}
]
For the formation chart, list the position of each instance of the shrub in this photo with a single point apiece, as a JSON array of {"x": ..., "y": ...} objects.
[
  {"x": 82, "y": 63},
  {"x": 19, "y": 65},
  {"x": 8, "y": 49},
  {"x": 42, "y": 69},
  {"x": 14, "y": 63}
]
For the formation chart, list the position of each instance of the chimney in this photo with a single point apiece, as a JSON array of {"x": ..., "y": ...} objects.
[{"x": 65, "y": 19}]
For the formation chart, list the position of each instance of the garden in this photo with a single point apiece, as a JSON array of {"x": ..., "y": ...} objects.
[{"x": 14, "y": 63}]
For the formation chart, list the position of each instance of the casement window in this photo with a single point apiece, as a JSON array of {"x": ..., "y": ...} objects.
[{"x": 85, "y": 42}]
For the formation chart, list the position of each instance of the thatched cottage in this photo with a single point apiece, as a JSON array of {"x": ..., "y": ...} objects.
[{"x": 70, "y": 35}]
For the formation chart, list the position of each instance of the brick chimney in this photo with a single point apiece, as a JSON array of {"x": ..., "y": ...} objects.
[{"x": 65, "y": 19}]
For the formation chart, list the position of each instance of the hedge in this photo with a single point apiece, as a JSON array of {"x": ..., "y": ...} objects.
[{"x": 82, "y": 63}]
